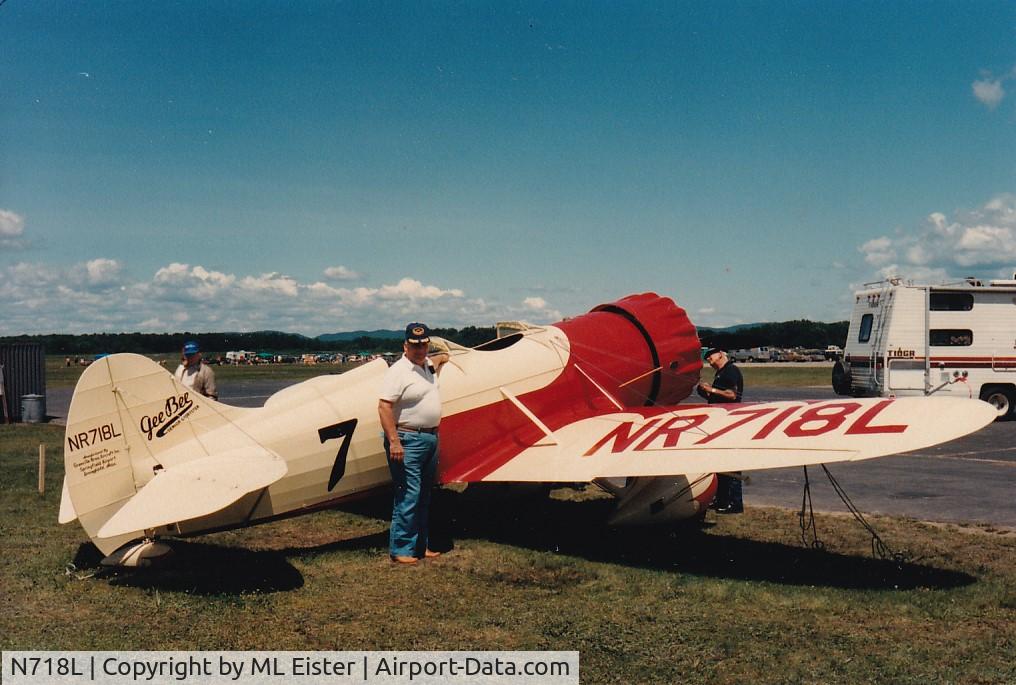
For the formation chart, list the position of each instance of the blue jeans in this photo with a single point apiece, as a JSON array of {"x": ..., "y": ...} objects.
[
  {"x": 413, "y": 480},
  {"x": 728, "y": 491}
]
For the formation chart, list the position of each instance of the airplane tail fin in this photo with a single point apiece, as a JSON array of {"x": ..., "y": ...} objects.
[{"x": 129, "y": 421}]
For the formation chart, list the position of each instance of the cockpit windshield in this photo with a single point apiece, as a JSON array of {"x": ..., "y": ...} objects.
[{"x": 500, "y": 343}]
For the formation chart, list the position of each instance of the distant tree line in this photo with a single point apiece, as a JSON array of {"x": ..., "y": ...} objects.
[
  {"x": 273, "y": 341},
  {"x": 470, "y": 336},
  {"x": 157, "y": 343},
  {"x": 810, "y": 334},
  {"x": 798, "y": 333}
]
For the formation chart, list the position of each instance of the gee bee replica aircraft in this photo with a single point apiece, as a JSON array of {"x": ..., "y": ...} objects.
[{"x": 590, "y": 399}]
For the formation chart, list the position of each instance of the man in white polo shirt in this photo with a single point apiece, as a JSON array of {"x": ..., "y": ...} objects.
[{"x": 410, "y": 411}]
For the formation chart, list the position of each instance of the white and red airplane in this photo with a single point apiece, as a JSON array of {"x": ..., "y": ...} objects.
[{"x": 590, "y": 399}]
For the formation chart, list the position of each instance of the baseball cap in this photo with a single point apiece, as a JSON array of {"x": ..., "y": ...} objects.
[
  {"x": 417, "y": 333},
  {"x": 190, "y": 347},
  {"x": 711, "y": 351}
]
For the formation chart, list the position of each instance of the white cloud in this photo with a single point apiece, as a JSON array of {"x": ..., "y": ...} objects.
[
  {"x": 990, "y": 93},
  {"x": 878, "y": 252},
  {"x": 980, "y": 242},
  {"x": 12, "y": 227},
  {"x": 990, "y": 90},
  {"x": 25, "y": 272},
  {"x": 172, "y": 273},
  {"x": 341, "y": 273},
  {"x": 98, "y": 295},
  {"x": 102, "y": 271},
  {"x": 410, "y": 288},
  {"x": 533, "y": 309},
  {"x": 154, "y": 324},
  {"x": 323, "y": 290},
  {"x": 43, "y": 298},
  {"x": 272, "y": 283},
  {"x": 182, "y": 283}
]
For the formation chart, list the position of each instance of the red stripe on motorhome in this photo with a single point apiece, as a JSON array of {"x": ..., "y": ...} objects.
[{"x": 940, "y": 362}]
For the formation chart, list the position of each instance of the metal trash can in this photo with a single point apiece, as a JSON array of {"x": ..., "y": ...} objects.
[
  {"x": 23, "y": 369},
  {"x": 33, "y": 408}
]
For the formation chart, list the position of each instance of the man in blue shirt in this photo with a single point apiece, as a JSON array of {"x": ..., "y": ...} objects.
[{"x": 727, "y": 387}]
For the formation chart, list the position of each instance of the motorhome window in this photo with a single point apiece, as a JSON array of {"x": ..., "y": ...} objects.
[
  {"x": 951, "y": 337},
  {"x": 865, "y": 333},
  {"x": 951, "y": 302}
]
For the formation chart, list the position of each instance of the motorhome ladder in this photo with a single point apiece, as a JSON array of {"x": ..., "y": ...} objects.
[{"x": 885, "y": 303}]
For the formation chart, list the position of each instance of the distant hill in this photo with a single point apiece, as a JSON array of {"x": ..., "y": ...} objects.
[
  {"x": 799, "y": 333},
  {"x": 380, "y": 334},
  {"x": 388, "y": 340},
  {"x": 737, "y": 328},
  {"x": 786, "y": 334}
]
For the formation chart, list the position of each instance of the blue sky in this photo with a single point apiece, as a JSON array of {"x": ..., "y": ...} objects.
[{"x": 323, "y": 166}]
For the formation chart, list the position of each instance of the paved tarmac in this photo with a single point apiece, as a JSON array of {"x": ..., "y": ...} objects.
[{"x": 969, "y": 480}]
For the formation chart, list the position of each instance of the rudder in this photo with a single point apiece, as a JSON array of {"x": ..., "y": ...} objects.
[{"x": 128, "y": 418}]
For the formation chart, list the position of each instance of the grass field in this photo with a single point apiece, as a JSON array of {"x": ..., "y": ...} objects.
[
  {"x": 740, "y": 601},
  {"x": 59, "y": 375},
  {"x": 781, "y": 375}
]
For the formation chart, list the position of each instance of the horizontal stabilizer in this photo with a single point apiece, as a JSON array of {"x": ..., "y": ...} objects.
[
  {"x": 196, "y": 488},
  {"x": 690, "y": 439}
]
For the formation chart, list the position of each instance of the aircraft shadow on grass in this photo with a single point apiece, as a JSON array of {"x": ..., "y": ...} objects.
[
  {"x": 575, "y": 528},
  {"x": 536, "y": 522},
  {"x": 202, "y": 568}
]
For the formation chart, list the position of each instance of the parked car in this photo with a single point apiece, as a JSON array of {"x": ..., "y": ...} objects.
[
  {"x": 754, "y": 354},
  {"x": 833, "y": 352}
]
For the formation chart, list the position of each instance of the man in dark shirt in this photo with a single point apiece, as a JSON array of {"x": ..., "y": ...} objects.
[{"x": 727, "y": 386}]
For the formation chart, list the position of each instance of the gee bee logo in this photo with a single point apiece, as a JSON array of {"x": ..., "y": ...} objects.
[{"x": 174, "y": 411}]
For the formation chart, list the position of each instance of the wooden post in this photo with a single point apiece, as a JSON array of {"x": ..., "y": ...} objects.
[
  {"x": 3, "y": 396},
  {"x": 42, "y": 468}
]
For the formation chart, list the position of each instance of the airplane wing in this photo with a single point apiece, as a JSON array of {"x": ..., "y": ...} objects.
[
  {"x": 695, "y": 439},
  {"x": 196, "y": 488}
]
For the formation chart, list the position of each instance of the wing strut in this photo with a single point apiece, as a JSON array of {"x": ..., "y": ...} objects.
[
  {"x": 600, "y": 388},
  {"x": 552, "y": 439}
]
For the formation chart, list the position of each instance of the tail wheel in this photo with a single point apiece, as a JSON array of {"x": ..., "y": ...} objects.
[
  {"x": 841, "y": 379},
  {"x": 1002, "y": 397}
]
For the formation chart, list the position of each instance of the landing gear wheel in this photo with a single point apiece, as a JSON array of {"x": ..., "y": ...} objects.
[
  {"x": 1003, "y": 398},
  {"x": 841, "y": 379},
  {"x": 140, "y": 554}
]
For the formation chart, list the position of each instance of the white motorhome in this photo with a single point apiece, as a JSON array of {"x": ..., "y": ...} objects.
[
  {"x": 955, "y": 339},
  {"x": 240, "y": 356}
]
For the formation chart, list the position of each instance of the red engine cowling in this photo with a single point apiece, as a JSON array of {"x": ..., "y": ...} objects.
[
  {"x": 642, "y": 350},
  {"x": 624, "y": 340}
]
